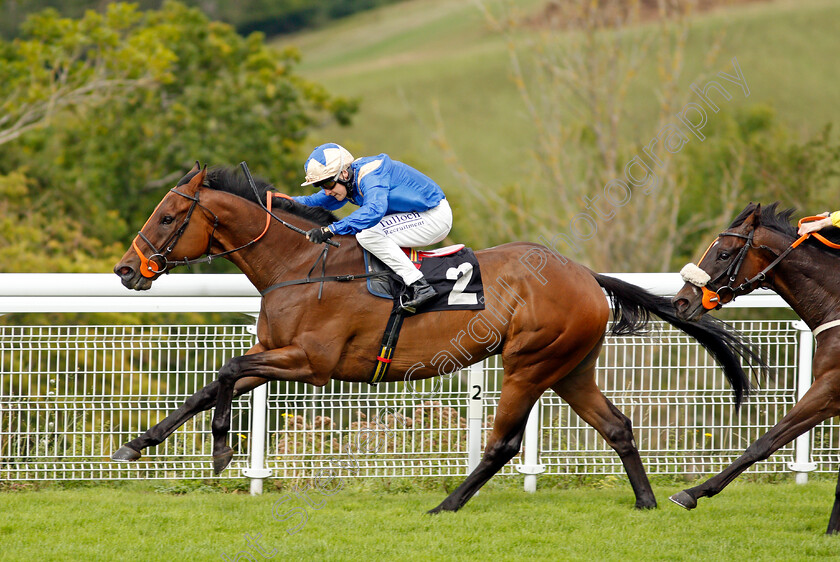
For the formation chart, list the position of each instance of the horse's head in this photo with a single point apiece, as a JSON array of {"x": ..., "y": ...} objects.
[
  {"x": 731, "y": 266},
  {"x": 165, "y": 237}
]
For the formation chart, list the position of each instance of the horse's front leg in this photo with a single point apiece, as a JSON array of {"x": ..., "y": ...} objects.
[
  {"x": 287, "y": 363},
  {"x": 821, "y": 402},
  {"x": 202, "y": 400}
]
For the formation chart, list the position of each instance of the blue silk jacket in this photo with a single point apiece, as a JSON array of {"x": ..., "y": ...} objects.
[{"x": 381, "y": 186}]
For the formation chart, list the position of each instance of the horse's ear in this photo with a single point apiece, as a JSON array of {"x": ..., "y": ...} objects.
[
  {"x": 197, "y": 180},
  {"x": 755, "y": 218},
  {"x": 195, "y": 168}
]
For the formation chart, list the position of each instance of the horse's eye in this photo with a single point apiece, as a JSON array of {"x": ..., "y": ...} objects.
[
  {"x": 167, "y": 219},
  {"x": 724, "y": 256}
]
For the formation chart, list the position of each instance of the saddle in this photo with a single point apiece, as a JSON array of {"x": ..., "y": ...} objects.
[{"x": 453, "y": 272}]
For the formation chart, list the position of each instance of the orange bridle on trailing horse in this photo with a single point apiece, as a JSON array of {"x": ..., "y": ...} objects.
[{"x": 711, "y": 298}]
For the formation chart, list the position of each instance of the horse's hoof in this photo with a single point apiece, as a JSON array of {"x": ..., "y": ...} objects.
[
  {"x": 221, "y": 461},
  {"x": 646, "y": 505},
  {"x": 125, "y": 454},
  {"x": 683, "y": 499},
  {"x": 442, "y": 508}
]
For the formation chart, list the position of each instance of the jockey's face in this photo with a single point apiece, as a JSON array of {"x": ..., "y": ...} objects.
[
  {"x": 335, "y": 188},
  {"x": 338, "y": 191}
]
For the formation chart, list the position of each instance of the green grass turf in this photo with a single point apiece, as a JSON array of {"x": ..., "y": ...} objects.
[
  {"x": 406, "y": 59},
  {"x": 748, "y": 521}
]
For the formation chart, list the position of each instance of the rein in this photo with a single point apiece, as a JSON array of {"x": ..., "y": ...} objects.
[
  {"x": 322, "y": 259},
  {"x": 158, "y": 262},
  {"x": 146, "y": 264},
  {"x": 322, "y": 279},
  {"x": 267, "y": 209}
]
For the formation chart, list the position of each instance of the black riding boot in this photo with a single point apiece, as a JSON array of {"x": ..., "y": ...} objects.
[{"x": 421, "y": 292}]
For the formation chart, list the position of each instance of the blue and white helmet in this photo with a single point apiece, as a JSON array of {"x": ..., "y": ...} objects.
[{"x": 326, "y": 162}]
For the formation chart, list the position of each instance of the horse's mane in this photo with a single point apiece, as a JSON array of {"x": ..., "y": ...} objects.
[
  {"x": 231, "y": 181},
  {"x": 779, "y": 221}
]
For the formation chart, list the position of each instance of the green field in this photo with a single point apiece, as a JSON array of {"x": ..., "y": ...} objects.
[
  {"x": 748, "y": 521},
  {"x": 405, "y": 60}
]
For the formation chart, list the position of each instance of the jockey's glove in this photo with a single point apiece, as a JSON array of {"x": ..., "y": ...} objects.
[{"x": 319, "y": 235}]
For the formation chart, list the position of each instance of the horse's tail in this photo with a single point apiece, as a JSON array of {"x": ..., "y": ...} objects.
[{"x": 632, "y": 308}]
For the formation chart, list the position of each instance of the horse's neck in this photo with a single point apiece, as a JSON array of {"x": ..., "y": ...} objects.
[
  {"x": 281, "y": 254},
  {"x": 807, "y": 280}
]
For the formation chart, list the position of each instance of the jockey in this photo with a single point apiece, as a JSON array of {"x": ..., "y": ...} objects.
[{"x": 398, "y": 207}]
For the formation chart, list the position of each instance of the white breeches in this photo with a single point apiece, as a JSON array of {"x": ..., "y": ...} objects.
[{"x": 406, "y": 230}]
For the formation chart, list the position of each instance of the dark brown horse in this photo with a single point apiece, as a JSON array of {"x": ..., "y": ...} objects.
[
  {"x": 762, "y": 249},
  {"x": 551, "y": 318}
]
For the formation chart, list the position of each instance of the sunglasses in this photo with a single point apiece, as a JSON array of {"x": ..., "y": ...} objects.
[{"x": 326, "y": 184}]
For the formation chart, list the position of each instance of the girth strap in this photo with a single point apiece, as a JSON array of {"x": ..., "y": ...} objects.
[{"x": 389, "y": 343}]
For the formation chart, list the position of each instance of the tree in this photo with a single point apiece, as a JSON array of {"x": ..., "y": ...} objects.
[
  {"x": 574, "y": 75},
  {"x": 34, "y": 236},
  {"x": 65, "y": 63},
  {"x": 749, "y": 156},
  {"x": 269, "y": 16},
  {"x": 128, "y": 100}
]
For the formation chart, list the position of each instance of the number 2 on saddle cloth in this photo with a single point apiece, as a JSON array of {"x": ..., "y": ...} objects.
[{"x": 454, "y": 274}]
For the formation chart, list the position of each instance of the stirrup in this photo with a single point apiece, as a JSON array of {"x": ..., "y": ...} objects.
[
  {"x": 409, "y": 309},
  {"x": 417, "y": 299}
]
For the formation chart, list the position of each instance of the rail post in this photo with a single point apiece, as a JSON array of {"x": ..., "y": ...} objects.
[
  {"x": 532, "y": 444},
  {"x": 802, "y": 464},
  {"x": 475, "y": 413},
  {"x": 256, "y": 470}
]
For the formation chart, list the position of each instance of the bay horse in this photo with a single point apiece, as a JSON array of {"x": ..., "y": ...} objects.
[
  {"x": 551, "y": 332},
  {"x": 762, "y": 249}
]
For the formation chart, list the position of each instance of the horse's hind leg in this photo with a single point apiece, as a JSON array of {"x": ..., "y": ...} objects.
[
  {"x": 202, "y": 400},
  {"x": 834, "y": 520},
  {"x": 586, "y": 399},
  {"x": 504, "y": 442},
  {"x": 527, "y": 376}
]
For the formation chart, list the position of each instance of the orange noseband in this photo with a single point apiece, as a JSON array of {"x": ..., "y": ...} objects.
[
  {"x": 149, "y": 267},
  {"x": 711, "y": 299}
]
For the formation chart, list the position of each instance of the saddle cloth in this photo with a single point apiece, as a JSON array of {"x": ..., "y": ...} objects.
[{"x": 452, "y": 271}]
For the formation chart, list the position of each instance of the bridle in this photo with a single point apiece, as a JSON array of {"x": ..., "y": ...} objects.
[
  {"x": 712, "y": 299},
  {"x": 159, "y": 263}
]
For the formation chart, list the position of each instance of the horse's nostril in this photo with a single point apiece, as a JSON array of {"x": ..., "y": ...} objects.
[
  {"x": 124, "y": 271},
  {"x": 680, "y": 304}
]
